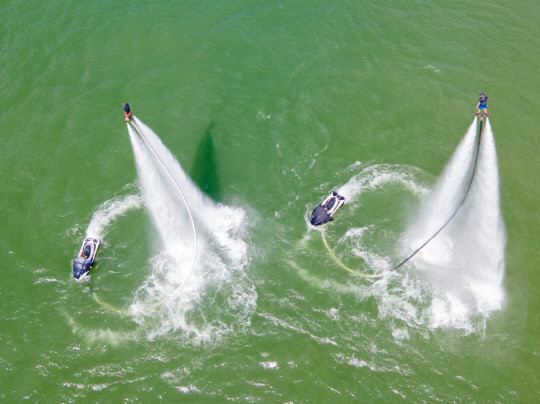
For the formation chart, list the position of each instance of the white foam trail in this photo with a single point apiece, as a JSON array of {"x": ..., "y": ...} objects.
[
  {"x": 166, "y": 302},
  {"x": 109, "y": 211},
  {"x": 99, "y": 335},
  {"x": 378, "y": 176}
]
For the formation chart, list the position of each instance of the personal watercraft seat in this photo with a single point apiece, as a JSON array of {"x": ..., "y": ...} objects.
[
  {"x": 86, "y": 258},
  {"x": 324, "y": 211}
]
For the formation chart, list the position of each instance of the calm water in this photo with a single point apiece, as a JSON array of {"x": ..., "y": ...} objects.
[{"x": 266, "y": 107}]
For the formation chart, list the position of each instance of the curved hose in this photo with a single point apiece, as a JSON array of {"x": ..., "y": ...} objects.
[
  {"x": 345, "y": 267},
  {"x": 473, "y": 173},
  {"x": 457, "y": 209},
  {"x": 109, "y": 307},
  {"x": 183, "y": 197}
]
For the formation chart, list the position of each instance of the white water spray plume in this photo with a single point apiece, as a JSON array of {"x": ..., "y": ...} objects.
[
  {"x": 176, "y": 294},
  {"x": 465, "y": 262}
]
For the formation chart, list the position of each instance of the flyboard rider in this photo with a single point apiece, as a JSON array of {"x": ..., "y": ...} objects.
[
  {"x": 482, "y": 105},
  {"x": 127, "y": 112}
]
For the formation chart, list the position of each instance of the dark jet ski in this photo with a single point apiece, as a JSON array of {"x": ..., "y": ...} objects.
[
  {"x": 85, "y": 260},
  {"x": 324, "y": 211}
]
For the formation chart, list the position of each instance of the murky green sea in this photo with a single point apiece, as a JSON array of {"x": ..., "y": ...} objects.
[{"x": 267, "y": 106}]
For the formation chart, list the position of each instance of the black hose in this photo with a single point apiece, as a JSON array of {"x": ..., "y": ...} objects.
[{"x": 455, "y": 212}]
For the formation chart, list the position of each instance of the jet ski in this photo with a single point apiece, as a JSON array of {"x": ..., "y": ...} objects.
[
  {"x": 85, "y": 260},
  {"x": 324, "y": 211}
]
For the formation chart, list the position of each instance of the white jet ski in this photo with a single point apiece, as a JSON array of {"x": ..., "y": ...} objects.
[
  {"x": 86, "y": 258},
  {"x": 324, "y": 211}
]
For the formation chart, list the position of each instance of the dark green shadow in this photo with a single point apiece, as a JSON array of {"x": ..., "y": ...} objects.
[{"x": 204, "y": 169}]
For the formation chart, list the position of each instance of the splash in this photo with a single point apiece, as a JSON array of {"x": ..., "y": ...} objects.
[
  {"x": 216, "y": 296},
  {"x": 465, "y": 263},
  {"x": 443, "y": 200}
]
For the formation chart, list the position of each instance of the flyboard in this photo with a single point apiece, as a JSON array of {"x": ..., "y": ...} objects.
[
  {"x": 86, "y": 258},
  {"x": 403, "y": 262}
]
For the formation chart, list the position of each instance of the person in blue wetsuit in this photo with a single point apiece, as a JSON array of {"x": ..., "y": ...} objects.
[
  {"x": 127, "y": 111},
  {"x": 482, "y": 105}
]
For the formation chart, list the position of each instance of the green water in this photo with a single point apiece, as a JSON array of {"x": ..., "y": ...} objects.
[{"x": 268, "y": 106}]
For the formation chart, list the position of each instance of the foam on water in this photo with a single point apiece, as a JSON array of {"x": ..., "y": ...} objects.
[
  {"x": 379, "y": 175},
  {"x": 99, "y": 335},
  {"x": 109, "y": 211},
  {"x": 214, "y": 296}
]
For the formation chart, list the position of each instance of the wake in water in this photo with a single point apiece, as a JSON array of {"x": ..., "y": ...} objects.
[
  {"x": 108, "y": 212},
  {"x": 212, "y": 296}
]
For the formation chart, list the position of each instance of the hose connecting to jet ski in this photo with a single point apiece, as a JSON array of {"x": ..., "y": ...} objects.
[
  {"x": 109, "y": 307},
  {"x": 183, "y": 197},
  {"x": 473, "y": 173},
  {"x": 345, "y": 267}
]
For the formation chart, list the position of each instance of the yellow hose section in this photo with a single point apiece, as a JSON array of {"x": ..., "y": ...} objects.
[{"x": 345, "y": 267}]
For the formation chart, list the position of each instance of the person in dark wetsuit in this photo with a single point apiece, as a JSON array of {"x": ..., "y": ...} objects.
[
  {"x": 82, "y": 265},
  {"x": 127, "y": 112},
  {"x": 482, "y": 105}
]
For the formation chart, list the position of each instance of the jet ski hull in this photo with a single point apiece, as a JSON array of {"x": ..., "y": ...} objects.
[
  {"x": 320, "y": 216},
  {"x": 324, "y": 211},
  {"x": 86, "y": 258}
]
